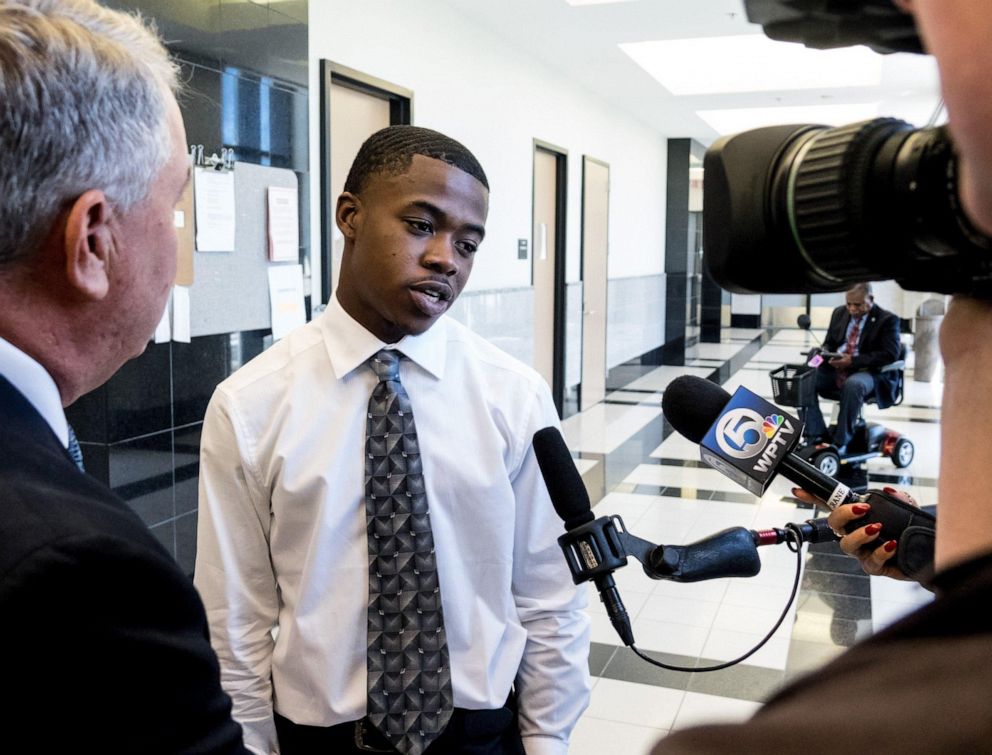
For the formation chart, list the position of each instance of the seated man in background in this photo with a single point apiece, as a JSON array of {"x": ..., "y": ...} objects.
[
  {"x": 105, "y": 644},
  {"x": 335, "y": 462},
  {"x": 867, "y": 339}
]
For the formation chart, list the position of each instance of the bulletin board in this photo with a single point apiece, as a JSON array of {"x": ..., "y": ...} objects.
[{"x": 230, "y": 290}]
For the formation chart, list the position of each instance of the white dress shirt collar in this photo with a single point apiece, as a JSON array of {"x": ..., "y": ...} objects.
[
  {"x": 37, "y": 386},
  {"x": 350, "y": 345}
]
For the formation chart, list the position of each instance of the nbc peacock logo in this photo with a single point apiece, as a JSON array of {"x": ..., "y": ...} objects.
[{"x": 771, "y": 425}]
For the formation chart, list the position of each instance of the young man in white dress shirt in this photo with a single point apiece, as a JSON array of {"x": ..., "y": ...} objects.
[{"x": 283, "y": 519}]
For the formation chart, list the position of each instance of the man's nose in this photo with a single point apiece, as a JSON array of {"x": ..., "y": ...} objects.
[{"x": 441, "y": 255}]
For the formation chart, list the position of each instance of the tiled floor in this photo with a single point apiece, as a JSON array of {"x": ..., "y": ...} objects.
[{"x": 635, "y": 466}]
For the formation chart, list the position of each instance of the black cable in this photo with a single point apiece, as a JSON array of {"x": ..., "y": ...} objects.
[{"x": 794, "y": 543}]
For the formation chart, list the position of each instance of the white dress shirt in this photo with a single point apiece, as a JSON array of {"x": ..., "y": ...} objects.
[
  {"x": 282, "y": 531},
  {"x": 36, "y": 385}
]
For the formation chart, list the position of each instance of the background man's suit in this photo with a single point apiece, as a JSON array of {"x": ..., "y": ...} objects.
[
  {"x": 104, "y": 639},
  {"x": 878, "y": 345}
]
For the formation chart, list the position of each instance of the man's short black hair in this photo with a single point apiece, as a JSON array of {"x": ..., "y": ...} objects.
[{"x": 390, "y": 151}]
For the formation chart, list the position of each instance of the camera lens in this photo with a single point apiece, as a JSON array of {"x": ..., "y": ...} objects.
[{"x": 809, "y": 208}]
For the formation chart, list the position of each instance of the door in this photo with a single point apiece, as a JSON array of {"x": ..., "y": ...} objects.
[
  {"x": 595, "y": 247},
  {"x": 548, "y": 267},
  {"x": 353, "y": 107}
]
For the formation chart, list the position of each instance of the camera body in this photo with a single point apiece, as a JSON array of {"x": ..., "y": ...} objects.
[{"x": 806, "y": 208}]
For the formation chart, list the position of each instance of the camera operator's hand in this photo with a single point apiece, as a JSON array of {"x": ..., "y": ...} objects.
[{"x": 862, "y": 543}]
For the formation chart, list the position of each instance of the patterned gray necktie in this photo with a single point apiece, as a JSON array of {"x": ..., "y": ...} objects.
[
  {"x": 409, "y": 680},
  {"x": 74, "y": 450}
]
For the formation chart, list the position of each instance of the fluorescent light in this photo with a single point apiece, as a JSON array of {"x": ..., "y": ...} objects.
[
  {"x": 742, "y": 119},
  {"x": 752, "y": 63},
  {"x": 917, "y": 111},
  {"x": 595, "y": 2}
]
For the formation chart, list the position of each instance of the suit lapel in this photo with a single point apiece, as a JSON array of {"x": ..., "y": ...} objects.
[
  {"x": 19, "y": 418},
  {"x": 871, "y": 320}
]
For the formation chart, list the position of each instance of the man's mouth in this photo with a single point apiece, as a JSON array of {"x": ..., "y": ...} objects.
[{"x": 432, "y": 298}]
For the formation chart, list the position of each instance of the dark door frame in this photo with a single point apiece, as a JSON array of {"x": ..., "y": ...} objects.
[
  {"x": 400, "y": 112},
  {"x": 558, "y": 306}
]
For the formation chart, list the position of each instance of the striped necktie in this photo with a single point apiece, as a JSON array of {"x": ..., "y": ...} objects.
[{"x": 74, "y": 450}]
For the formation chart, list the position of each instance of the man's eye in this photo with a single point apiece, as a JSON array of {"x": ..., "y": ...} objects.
[
  {"x": 423, "y": 226},
  {"x": 467, "y": 247}
]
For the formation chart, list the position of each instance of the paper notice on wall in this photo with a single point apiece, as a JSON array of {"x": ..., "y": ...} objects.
[
  {"x": 182, "y": 219},
  {"x": 286, "y": 299},
  {"x": 284, "y": 224},
  {"x": 163, "y": 332},
  {"x": 180, "y": 314},
  {"x": 214, "y": 198}
]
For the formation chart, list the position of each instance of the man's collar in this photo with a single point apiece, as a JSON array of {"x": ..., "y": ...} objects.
[
  {"x": 350, "y": 345},
  {"x": 36, "y": 385}
]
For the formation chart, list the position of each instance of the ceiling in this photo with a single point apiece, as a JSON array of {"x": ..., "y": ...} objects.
[{"x": 582, "y": 42}]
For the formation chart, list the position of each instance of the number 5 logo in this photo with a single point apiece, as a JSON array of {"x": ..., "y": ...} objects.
[{"x": 739, "y": 433}]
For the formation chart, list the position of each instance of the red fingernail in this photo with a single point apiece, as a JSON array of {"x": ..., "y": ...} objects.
[
  {"x": 889, "y": 546},
  {"x": 860, "y": 508},
  {"x": 873, "y": 529},
  {"x": 890, "y": 491}
]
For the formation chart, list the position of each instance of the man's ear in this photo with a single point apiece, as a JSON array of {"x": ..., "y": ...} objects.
[
  {"x": 89, "y": 244},
  {"x": 348, "y": 207}
]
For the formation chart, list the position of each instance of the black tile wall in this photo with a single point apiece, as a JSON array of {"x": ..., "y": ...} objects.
[
  {"x": 683, "y": 238},
  {"x": 245, "y": 70}
]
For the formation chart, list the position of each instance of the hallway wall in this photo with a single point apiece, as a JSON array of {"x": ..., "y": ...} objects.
[{"x": 470, "y": 84}]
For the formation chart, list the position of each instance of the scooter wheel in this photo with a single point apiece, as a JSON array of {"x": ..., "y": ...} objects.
[
  {"x": 827, "y": 462},
  {"x": 903, "y": 452}
]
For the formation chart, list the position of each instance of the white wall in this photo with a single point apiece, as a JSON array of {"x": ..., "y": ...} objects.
[{"x": 473, "y": 86}]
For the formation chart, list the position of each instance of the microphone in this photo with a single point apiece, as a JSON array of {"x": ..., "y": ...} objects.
[
  {"x": 750, "y": 441},
  {"x": 600, "y": 554},
  {"x": 746, "y": 438}
]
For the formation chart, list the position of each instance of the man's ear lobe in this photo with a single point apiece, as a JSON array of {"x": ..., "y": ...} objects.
[
  {"x": 89, "y": 245},
  {"x": 345, "y": 213}
]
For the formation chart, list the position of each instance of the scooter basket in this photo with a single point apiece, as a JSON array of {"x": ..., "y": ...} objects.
[{"x": 793, "y": 384}]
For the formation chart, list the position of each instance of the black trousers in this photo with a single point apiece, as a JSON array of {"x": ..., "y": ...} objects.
[{"x": 469, "y": 732}]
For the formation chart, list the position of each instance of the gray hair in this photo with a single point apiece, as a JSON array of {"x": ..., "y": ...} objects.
[
  {"x": 862, "y": 288},
  {"x": 83, "y": 98}
]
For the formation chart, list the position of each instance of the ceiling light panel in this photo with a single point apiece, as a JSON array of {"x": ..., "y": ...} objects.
[
  {"x": 596, "y": 2},
  {"x": 742, "y": 119},
  {"x": 752, "y": 63}
]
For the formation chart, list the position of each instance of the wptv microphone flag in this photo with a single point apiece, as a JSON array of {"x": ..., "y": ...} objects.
[{"x": 748, "y": 440}]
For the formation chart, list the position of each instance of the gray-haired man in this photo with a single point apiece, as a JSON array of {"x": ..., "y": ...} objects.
[{"x": 105, "y": 640}]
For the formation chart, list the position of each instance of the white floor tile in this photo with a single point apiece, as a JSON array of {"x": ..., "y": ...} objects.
[
  {"x": 669, "y": 637},
  {"x": 699, "y": 709},
  {"x": 593, "y": 736},
  {"x": 690, "y": 611},
  {"x": 584, "y": 465},
  {"x": 603, "y": 427},
  {"x": 638, "y": 704},
  {"x": 725, "y": 645},
  {"x": 659, "y": 378}
]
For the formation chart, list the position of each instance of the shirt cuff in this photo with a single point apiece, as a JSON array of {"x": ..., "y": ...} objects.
[{"x": 545, "y": 746}]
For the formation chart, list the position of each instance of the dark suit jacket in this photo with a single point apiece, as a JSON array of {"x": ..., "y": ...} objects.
[
  {"x": 878, "y": 346},
  {"x": 104, "y": 639}
]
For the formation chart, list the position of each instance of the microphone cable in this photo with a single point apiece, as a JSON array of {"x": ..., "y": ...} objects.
[{"x": 793, "y": 543}]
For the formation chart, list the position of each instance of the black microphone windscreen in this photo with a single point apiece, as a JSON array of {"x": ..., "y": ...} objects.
[
  {"x": 568, "y": 494},
  {"x": 692, "y": 404}
]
